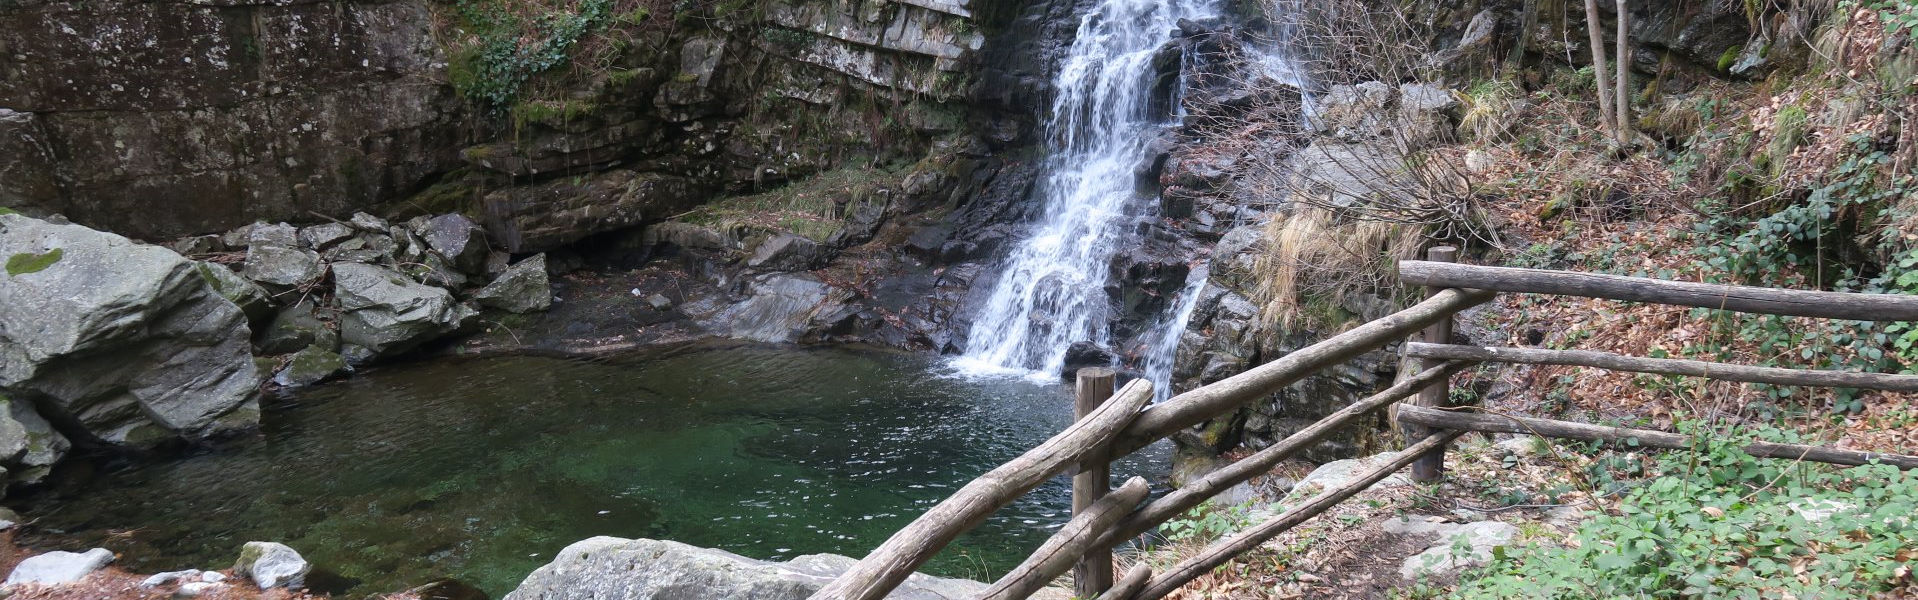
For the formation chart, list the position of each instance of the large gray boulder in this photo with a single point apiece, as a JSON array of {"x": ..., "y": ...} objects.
[
  {"x": 523, "y": 288},
  {"x": 57, "y": 567},
  {"x": 122, "y": 342},
  {"x": 642, "y": 569},
  {"x": 387, "y": 313}
]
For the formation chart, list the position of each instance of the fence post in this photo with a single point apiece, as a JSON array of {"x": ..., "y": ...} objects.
[
  {"x": 1428, "y": 467},
  {"x": 1092, "y": 575}
]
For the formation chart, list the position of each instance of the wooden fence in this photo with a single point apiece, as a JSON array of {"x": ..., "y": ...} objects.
[{"x": 1113, "y": 424}]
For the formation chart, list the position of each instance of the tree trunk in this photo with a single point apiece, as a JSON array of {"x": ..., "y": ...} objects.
[
  {"x": 1622, "y": 98},
  {"x": 1601, "y": 77}
]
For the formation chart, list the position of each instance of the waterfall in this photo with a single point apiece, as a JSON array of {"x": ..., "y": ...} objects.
[
  {"x": 1051, "y": 288},
  {"x": 1163, "y": 351}
]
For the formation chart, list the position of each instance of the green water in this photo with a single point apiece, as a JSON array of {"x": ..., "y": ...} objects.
[{"x": 481, "y": 469}]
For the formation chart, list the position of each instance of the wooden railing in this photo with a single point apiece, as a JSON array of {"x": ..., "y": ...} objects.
[{"x": 1112, "y": 425}]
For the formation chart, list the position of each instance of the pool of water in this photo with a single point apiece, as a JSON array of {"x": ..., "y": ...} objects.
[{"x": 481, "y": 469}]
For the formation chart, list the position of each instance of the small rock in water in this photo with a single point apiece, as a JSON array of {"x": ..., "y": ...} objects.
[
  {"x": 272, "y": 565},
  {"x": 1086, "y": 354},
  {"x": 160, "y": 579},
  {"x": 58, "y": 567}
]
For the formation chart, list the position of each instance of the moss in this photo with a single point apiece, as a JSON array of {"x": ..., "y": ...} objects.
[
  {"x": 8, "y": 211},
  {"x": 1790, "y": 127},
  {"x": 634, "y": 17},
  {"x": 1730, "y": 57},
  {"x": 25, "y": 262},
  {"x": 623, "y": 77},
  {"x": 552, "y": 112},
  {"x": 685, "y": 77}
]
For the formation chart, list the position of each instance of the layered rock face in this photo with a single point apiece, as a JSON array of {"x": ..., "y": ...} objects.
[
  {"x": 747, "y": 104},
  {"x": 114, "y": 342},
  {"x": 156, "y": 119}
]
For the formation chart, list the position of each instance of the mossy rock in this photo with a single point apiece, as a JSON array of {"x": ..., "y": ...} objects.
[
  {"x": 311, "y": 365},
  {"x": 27, "y": 262}
]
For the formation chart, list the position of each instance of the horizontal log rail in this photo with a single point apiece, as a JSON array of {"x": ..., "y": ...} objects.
[
  {"x": 1128, "y": 587},
  {"x": 1798, "y": 303},
  {"x": 1239, "y": 543},
  {"x": 1126, "y": 424},
  {"x": 882, "y": 570},
  {"x": 1211, "y": 400},
  {"x": 1489, "y": 423},
  {"x": 1075, "y": 539},
  {"x": 1198, "y": 491},
  {"x": 1667, "y": 366}
]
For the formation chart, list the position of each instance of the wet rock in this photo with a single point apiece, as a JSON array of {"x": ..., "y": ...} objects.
[
  {"x": 58, "y": 567},
  {"x": 387, "y": 314},
  {"x": 271, "y": 565},
  {"x": 311, "y": 365},
  {"x": 29, "y": 446},
  {"x": 607, "y": 567},
  {"x": 785, "y": 252},
  {"x": 324, "y": 236},
  {"x": 457, "y": 238},
  {"x": 123, "y": 341},
  {"x": 252, "y": 299},
  {"x": 1081, "y": 355},
  {"x": 296, "y": 327},
  {"x": 778, "y": 308},
  {"x": 523, "y": 288},
  {"x": 283, "y": 268}
]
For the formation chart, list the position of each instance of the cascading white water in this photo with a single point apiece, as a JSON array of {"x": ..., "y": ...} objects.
[
  {"x": 1051, "y": 289},
  {"x": 1163, "y": 351}
]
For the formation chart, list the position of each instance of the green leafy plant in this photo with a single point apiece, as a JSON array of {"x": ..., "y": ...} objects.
[
  {"x": 1724, "y": 524},
  {"x": 1207, "y": 522},
  {"x": 514, "y": 43}
]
